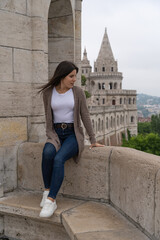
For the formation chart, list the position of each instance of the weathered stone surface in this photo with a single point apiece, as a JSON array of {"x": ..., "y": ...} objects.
[
  {"x": 60, "y": 49},
  {"x": 38, "y": 8},
  {"x": 29, "y": 229},
  {"x": 6, "y": 72},
  {"x": 61, "y": 27},
  {"x": 36, "y": 129},
  {"x": 40, "y": 34},
  {"x": 157, "y": 205},
  {"x": 15, "y": 30},
  {"x": 1, "y": 225},
  {"x": 20, "y": 99},
  {"x": 15, "y": 6},
  {"x": 132, "y": 178},
  {"x": 114, "y": 235},
  {"x": 60, "y": 8},
  {"x": 88, "y": 178},
  {"x": 27, "y": 204},
  {"x": 1, "y": 190},
  {"x": 8, "y": 172},
  {"x": 30, "y": 67},
  {"x": 29, "y": 166},
  {"x": 12, "y": 131},
  {"x": 92, "y": 217}
]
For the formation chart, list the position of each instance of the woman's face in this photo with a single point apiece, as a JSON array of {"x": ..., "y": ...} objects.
[{"x": 69, "y": 80}]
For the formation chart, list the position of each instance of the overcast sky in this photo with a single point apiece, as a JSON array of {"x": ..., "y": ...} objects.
[{"x": 133, "y": 29}]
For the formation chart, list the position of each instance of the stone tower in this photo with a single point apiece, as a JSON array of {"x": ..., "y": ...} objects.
[{"x": 113, "y": 110}]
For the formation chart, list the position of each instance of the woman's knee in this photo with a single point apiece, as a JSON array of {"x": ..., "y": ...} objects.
[
  {"x": 49, "y": 150},
  {"x": 58, "y": 161}
]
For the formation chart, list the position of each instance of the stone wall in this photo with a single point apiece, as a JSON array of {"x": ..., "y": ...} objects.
[
  {"x": 26, "y": 30},
  {"x": 127, "y": 178}
]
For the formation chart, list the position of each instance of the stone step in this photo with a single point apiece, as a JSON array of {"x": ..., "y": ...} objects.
[{"x": 82, "y": 220}]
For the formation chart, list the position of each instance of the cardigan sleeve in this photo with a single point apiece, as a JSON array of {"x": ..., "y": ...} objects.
[{"x": 85, "y": 116}]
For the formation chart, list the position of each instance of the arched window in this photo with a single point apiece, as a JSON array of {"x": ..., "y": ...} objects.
[
  {"x": 113, "y": 102},
  {"x": 99, "y": 122},
  {"x": 110, "y": 85},
  {"x": 111, "y": 121},
  {"x": 103, "y": 69},
  {"x": 132, "y": 119},
  {"x": 102, "y": 126},
  {"x": 120, "y": 101},
  {"x": 129, "y": 101},
  {"x": 115, "y": 85},
  {"x": 99, "y": 85},
  {"x": 112, "y": 69},
  {"x": 117, "y": 120},
  {"x": 107, "y": 123},
  {"x": 134, "y": 100},
  {"x": 93, "y": 123},
  {"x": 103, "y": 85}
]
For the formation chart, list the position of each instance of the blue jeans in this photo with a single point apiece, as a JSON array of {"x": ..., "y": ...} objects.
[{"x": 53, "y": 162}]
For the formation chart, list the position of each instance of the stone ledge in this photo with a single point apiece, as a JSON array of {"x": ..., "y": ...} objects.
[{"x": 82, "y": 219}]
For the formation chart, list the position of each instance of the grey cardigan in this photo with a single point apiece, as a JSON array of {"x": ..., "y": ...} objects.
[{"x": 80, "y": 112}]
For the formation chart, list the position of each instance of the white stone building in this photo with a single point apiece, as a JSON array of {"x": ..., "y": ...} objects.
[{"x": 113, "y": 110}]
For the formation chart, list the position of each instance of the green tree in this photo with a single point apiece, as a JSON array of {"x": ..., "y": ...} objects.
[
  {"x": 88, "y": 95},
  {"x": 149, "y": 143},
  {"x": 144, "y": 127},
  {"x": 155, "y": 123},
  {"x": 83, "y": 80}
]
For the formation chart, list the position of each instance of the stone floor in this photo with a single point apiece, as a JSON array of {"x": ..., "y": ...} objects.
[{"x": 82, "y": 220}]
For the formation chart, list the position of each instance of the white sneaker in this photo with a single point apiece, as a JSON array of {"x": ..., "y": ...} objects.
[
  {"x": 48, "y": 208},
  {"x": 45, "y": 195}
]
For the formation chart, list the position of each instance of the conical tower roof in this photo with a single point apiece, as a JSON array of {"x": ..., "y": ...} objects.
[
  {"x": 85, "y": 58},
  {"x": 105, "y": 52}
]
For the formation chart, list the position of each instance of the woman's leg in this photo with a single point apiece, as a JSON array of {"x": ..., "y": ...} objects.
[
  {"x": 68, "y": 149},
  {"x": 49, "y": 152}
]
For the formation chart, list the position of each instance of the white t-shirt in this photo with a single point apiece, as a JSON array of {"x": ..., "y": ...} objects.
[{"x": 62, "y": 106}]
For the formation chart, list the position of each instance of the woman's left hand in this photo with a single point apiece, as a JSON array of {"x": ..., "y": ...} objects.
[{"x": 96, "y": 145}]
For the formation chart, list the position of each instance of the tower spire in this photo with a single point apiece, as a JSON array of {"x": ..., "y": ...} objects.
[{"x": 105, "y": 49}]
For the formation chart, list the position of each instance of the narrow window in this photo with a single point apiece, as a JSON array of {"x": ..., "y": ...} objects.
[
  {"x": 99, "y": 85},
  {"x": 111, "y": 69},
  {"x": 103, "y": 85},
  {"x": 103, "y": 69}
]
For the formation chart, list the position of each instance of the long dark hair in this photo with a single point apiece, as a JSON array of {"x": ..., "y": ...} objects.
[{"x": 62, "y": 70}]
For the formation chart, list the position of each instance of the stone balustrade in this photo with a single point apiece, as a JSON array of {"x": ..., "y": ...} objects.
[{"x": 126, "y": 178}]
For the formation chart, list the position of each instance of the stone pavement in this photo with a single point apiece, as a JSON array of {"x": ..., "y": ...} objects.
[{"x": 78, "y": 219}]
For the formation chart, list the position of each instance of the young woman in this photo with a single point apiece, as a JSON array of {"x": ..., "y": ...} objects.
[{"x": 65, "y": 107}]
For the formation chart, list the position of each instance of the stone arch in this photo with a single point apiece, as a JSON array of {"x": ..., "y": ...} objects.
[{"x": 60, "y": 33}]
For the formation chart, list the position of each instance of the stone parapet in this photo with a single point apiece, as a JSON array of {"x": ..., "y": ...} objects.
[{"x": 127, "y": 178}]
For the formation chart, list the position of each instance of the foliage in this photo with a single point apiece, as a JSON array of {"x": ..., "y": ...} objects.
[
  {"x": 144, "y": 127},
  {"x": 88, "y": 95},
  {"x": 83, "y": 80},
  {"x": 149, "y": 143},
  {"x": 155, "y": 124}
]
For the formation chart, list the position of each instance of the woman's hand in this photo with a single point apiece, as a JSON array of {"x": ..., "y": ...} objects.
[{"x": 96, "y": 145}]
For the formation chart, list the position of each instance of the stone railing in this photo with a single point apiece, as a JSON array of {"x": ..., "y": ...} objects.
[{"x": 126, "y": 178}]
